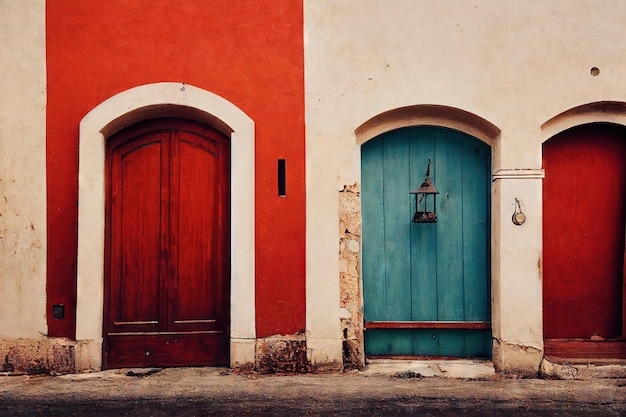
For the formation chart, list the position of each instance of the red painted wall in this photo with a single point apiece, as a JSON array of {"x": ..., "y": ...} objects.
[{"x": 248, "y": 51}]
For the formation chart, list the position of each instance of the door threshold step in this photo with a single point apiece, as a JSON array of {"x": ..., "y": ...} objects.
[{"x": 461, "y": 368}]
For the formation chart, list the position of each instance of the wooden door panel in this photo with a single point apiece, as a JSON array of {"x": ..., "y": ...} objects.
[
  {"x": 476, "y": 215},
  {"x": 140, "y": 234},
  {"x": 196, "y": 349},
  {"x": 136, "y": 221},
  {"x": 584, "y": 196},
  {"x": 426, "y": 272},
  {"x": 423, "y": 236},
  {"x": 396, "y": 202},
  {"x": 448, "y": 179},
  {"x": 196, "y": 288},
  {"x": 373, "y": 231},
  {"x": 423, "y": 249}
]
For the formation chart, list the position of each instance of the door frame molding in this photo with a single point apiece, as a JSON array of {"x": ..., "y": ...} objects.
[{"x": 167, "y": 99}]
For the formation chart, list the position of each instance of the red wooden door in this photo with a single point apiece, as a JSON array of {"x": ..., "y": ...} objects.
[
  {"x": 167, "y": 271},
  {"x": 584, "y": 194}
]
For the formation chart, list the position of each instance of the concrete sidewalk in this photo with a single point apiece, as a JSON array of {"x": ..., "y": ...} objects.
[
  {"x": 457, "y": 368},
  {"x": 403, "y": 388},
  {"x": 483, "y": 369}
]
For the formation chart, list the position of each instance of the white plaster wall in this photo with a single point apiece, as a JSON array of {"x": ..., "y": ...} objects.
[
  {"x": 22, "y": 169},
  {"x": 516, "y": 64}
]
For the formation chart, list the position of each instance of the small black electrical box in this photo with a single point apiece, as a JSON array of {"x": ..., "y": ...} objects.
[
  {"x": 282, "y": 183},
  {"x": 58, "y": 311}
]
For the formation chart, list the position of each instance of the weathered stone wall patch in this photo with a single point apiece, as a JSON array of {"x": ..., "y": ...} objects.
[
  {"x": 350, "y": 277},
  {"x": 34, "y": 357},
  {"x": 282, "y": 354}
]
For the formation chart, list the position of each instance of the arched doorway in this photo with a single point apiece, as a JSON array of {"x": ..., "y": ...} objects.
[
  {"x": 135, "y": 105},
  {"x": 584, "y": 204},
  {"x": 167, "y": 267},
  {"x": 426, "y": 286}
]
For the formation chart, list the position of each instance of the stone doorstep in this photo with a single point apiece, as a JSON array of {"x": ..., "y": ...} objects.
[
  {"x": 582, "y": 371},
  {"x": 460, "y": 369}
]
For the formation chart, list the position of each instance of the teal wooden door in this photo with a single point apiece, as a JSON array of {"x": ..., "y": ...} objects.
[{"x": 426, "y": 285}]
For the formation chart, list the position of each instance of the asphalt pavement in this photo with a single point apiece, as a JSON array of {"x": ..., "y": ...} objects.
[{"x": 381, "y": 390}]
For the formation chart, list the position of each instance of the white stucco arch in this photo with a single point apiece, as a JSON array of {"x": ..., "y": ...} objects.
[
  {"x": 131, "y": 106},
  {"x": 428, "y": 115},
  {"x": 596, "y": 112}
]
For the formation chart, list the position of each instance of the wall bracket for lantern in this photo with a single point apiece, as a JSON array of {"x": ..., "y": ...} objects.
[{"x": 422, "y": 195}]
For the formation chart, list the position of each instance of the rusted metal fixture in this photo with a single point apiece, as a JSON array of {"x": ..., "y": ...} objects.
[
  {"x": 518, "y": 217},
  {"x": 422, "y": 195}
]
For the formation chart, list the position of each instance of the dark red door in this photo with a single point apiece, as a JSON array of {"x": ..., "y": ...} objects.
[
  {"x": 167, "y": 270},
  {"x": 584, "y": 195}
]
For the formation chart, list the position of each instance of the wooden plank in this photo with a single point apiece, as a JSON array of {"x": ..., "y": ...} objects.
[
  {"x": 413, "y": 357},
  {"x": 476, "y": 229},
  {"x": 373, "y": 233},
  {"x": 423, "y": 249},
  {"x": 469, "y": 325},
  {"x": 397, "y": 242},
  {"x": 476, "y": 240},
  {"x": 585, "y": 349},
  {"x": 423, "y": 235},
  {"x": 397, "y": 216},
  {"x": 448, "y": 178}
]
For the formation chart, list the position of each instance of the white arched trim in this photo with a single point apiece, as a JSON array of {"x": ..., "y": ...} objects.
[
  {"x": 142, "y": 103},
  {"x": 428, "y": 115},
  {"x": 598, "y": 112}
]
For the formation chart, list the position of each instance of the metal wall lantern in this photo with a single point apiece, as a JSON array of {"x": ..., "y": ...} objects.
[{"x": 422, "y": 197}]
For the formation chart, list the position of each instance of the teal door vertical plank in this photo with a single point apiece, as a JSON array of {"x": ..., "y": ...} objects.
[
  {"x": 476, "y": 236},
  {"x": 448, "y": 178},
  {"x": 423, "y": 256},
  {"x": 397, "y": 244},
  {"x": 373, "y": 234}
]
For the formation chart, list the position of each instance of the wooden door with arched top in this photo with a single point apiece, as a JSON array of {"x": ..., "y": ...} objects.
[
  {"x": 167, "y": 274},
  {"x": 426, "y": 286},
  {"x": 584, "y": 204}
]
